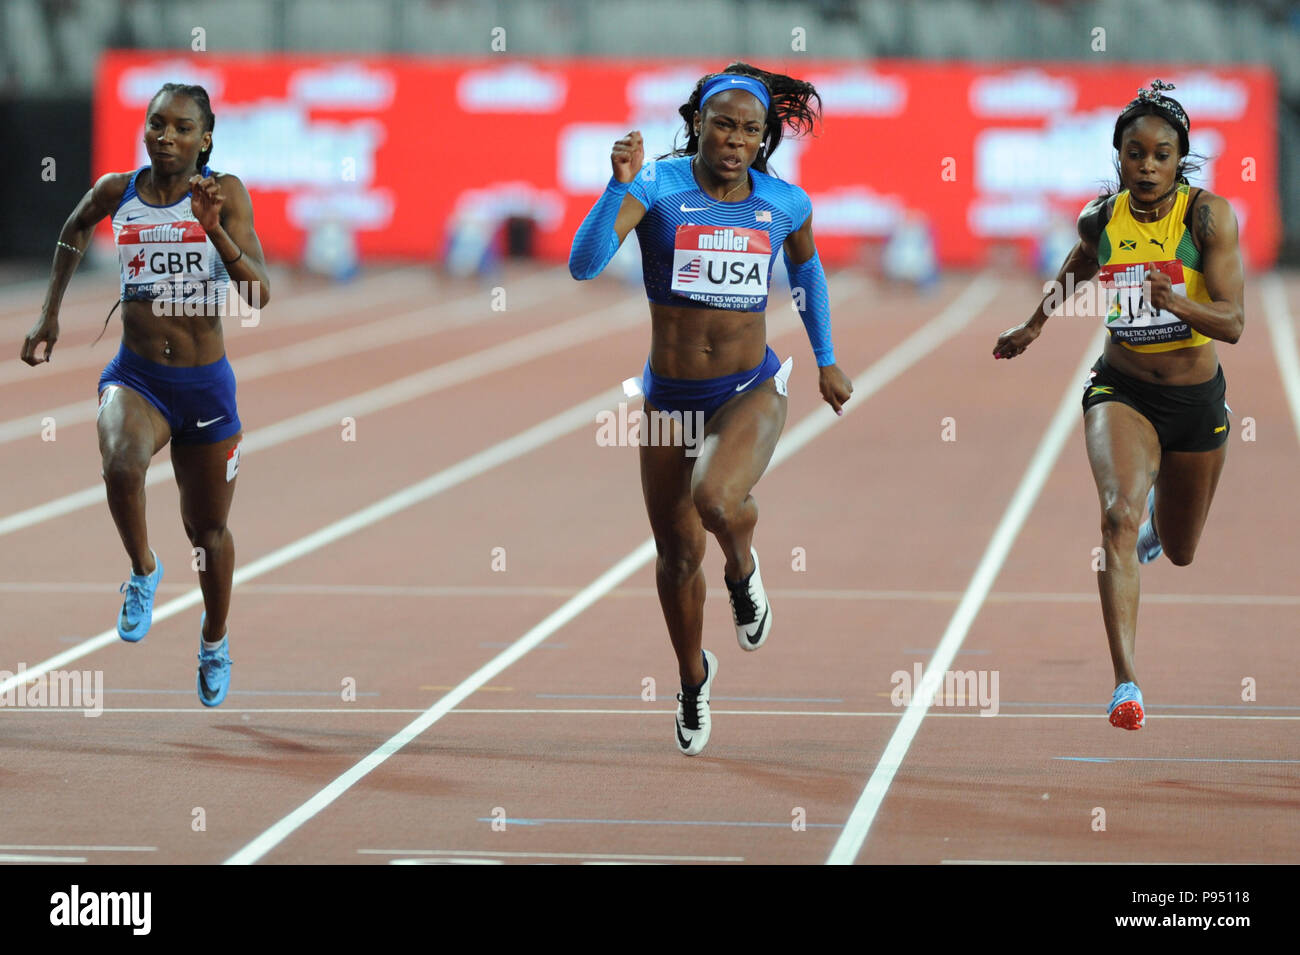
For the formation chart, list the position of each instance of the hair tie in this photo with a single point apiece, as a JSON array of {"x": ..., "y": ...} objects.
[{"x": 1165, "y": 106}]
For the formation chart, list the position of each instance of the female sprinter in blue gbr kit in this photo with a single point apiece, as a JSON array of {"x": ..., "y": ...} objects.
[
  {"x": 710, "y": 223},
  {"x": 182, "y": 231}
]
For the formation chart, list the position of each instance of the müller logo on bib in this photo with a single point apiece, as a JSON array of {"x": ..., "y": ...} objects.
[
  {"x": 170, "y": 250},
  {"x": 724, "y": 267}
]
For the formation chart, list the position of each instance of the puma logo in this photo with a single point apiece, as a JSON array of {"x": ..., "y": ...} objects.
[{"x": 1154, "y": 242}]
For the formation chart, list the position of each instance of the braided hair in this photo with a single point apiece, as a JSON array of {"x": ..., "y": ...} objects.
[
  {"x": 791, "y": 107},
  {"x": 200, "y": 97}
]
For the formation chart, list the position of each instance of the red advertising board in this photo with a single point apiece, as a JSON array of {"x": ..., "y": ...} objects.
[{"x": 402, "y": 150}]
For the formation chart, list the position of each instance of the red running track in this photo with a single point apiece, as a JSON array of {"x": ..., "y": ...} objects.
[{"x": 870, "y": 533}]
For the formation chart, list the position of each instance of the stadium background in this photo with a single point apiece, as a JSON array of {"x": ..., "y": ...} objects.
[
  {"x": 394, "y": 130},
  {"x": 408, "y": 124}
]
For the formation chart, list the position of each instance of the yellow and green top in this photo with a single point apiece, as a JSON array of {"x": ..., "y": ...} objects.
[{"x": 1126, "y": 251}]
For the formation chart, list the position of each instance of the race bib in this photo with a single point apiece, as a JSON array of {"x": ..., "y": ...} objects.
[
  {"x": 722, "y": 267},
  {"x": 1129, "y": 316},
  {"x": 157, "y": 258}
]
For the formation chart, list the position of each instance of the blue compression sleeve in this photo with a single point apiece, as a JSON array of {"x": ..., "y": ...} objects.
[
  {"x": 596, "y": 241},
  {"x": 811, "y": 298}
]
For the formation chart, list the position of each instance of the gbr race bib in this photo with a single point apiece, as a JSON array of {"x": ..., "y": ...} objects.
[
  {"x": 722, "y": 267},
  {"x": 160, "y": 258},
  {"x": 1129, "y": 316}
]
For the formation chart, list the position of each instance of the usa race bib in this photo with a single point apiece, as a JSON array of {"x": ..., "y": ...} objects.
[
  {"x": 1129, "y": 316},
  {"x": 160, "y": 258},
  {"x": 722, "y": 267}
]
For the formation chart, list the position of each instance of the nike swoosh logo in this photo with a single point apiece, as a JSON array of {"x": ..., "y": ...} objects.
[
  {"x": 751, "y": 637},
  {"x": 133, "y": 218},
  {"x": 682, "y": 740},
  {"x": 204, "y": 424},
  {"x": 747, "y": 384},
  {"x": 693, "y": 208}
]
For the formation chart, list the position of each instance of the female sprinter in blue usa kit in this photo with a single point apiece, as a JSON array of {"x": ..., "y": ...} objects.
[
  {"x": 710, "y": 223},
  {"x": 182, "y": 232}
]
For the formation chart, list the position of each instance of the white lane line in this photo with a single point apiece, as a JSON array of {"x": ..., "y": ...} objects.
[
  {"x": 657, "y": 713},
  {"x": 939, "y": 329},
  {"x": 847, "y": 846},
  {"x": 1074, "y": 862},
  {"x": 367, "y": 293},
  {"x": 80, "y": 848},
  {"x": 405, "y": 326},
  {"x": 45, "y": 860},
  {"x": 1282, "y": 329},
  {"x": 578, "y": 330},
  {"x": 384, "y": 591},
  {"x": 539, "y": 435},
  {"x": 518, "y": 351},
  {"x": 615, "y": 856},
  {"x": 575, "y": 332}
]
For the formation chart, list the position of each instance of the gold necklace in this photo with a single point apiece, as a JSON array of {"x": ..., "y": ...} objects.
[
  {"x": 1172, "y": 194},
  {"x": 743, "y": 182}
]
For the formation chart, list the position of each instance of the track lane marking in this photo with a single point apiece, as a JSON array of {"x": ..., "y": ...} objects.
[
  {"x": 956, "y": 315},
  {"x": 849, "y": 844}
]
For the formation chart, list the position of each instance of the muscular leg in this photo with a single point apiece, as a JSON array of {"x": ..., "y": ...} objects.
[
  {"x": 131, "y": 432},
  {"x": 205, "y": 504},
  {"x": 1184, "y": 491},
  {"x": 679, "y": 542},
  {"x": 1125, "y": 456},
  {"x": 738, "y": 445}
]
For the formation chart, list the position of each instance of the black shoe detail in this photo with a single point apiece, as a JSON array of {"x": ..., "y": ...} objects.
[
  {"x": 203, "y": 685},
  {"x": 681, "y": 740},
  {"x": 743, "y": 609},
  {"x": 757, "y": 635},
  {"x": 690, "y": 709}
]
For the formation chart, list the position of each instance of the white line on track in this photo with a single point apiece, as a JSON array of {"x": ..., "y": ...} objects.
[
  {"x": 938, "y": 330},
  {"x": 80, "y": 848},
  {"x": 1074, "y": 862},
  {"x": 43, "y": 860},
  {"x": 847, "y": 846},
  {"x": 539, "y": 435},
  {"x": 1282, "y": 328},
  {"x": 518, "y": 351},
  {"x": 576, "y": 331},
  {"x": 370, "y": 292},
  {"x": 407, "y": 325},
  {"x": 526, "y": 348},
  {"x": 656, "y": 713},
  {"x": 384, "y": 591},
  {"x": 613, "y": 856}
]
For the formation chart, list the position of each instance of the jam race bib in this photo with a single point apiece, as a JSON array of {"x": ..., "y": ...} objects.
[
  {"x": 722, "y": 267},
  {"x": 163, "y": 259},
  {"x": 1129, "y": 316}
]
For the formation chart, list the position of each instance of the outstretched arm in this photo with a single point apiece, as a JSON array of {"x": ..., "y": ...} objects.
[
  {"x": 812, "y": 300},
  {"x": 1079, "y": 266},
  {"x": 73, "y": 240}
]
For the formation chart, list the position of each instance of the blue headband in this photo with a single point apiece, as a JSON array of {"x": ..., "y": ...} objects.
[{"x": 736, "y": 81}]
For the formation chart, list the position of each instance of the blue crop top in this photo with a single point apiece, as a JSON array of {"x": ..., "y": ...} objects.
[{"x": 702, "y": 253}]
